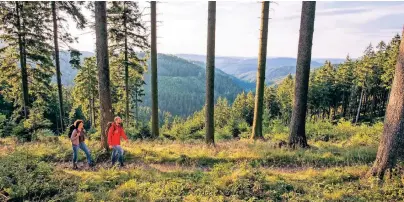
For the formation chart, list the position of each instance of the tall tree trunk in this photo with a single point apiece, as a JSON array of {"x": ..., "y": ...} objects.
[
  {"x": 374, "y": 106},
  {"x": 297, "y": 127},
  {"x": 93, "y": 125},
  {"x": 210, "y": 74},
  {"x": 329, "y": 112},
  {"x": 126, "y": 68},
  {"x": 262, "y": 57},
  {"x": 90, "y": 112},
  {"x": 136, "y": 107},
  {"x": 92, "y": 97},
  {"x": 155, "y": 116},
  {"x": 344, "y": 105},
  {"x": 393, "y": 133},
  {"x": 23, "y": 57},
  {"x": 334, "y": 111},
  {"x": 365, "y": 103},
  {"x": 57, "y": 63},
  {"x": 359, "y": 106},
  {"x": 384, "y": 101},
  {"x": 101, "y": 40}
]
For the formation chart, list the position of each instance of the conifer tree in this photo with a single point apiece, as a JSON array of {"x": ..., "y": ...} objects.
[
  {"x": 103, "y": 69},
  {"x": 128, "y": 35},
  {"x": 210, "y": 74},
  {"x": 26, "y": 32},
  {"x": 85, "y": 91},
  {"x": 70, "y": 8},
  {"x": 154, "y": 89},
  {"x": 262, "y": 57},
  {"x": 297, "y": 127},
  {"x": 393, "y": 135}
]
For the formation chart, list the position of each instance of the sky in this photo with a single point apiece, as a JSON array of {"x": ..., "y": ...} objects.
[{"x": 340, "y": 28}]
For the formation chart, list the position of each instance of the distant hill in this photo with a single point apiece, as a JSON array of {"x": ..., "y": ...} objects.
[
  {"x": 181, "y": 78},
  {"x": 246, "y": 68},
  {"x": 181, "y": 83},
  {"x": 68, "y": 73}
]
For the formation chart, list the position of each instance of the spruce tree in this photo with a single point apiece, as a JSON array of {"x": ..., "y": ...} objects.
[
  {"x": 262, "y": 57},
  {"x": 70, "y": 8},
  {"x": 85, "y": 91},
  {"x": 26, "y": 31},
  {"x": 101, "y": 34},
  {"x": 393, "y": 133},
  {"x": 210, "y": 74},
  {"x": 297, "y": 127},
  {"x": 154, "y": 89},
  {"x": 128, "y": 35}
]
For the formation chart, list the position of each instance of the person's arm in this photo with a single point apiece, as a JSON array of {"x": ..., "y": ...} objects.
[
  {"x": 74, "y": 135},
  {"x": 124, "y": 135}
]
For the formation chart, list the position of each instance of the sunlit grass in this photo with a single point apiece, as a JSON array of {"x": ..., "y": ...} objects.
[{"x": 233, "y": 170}]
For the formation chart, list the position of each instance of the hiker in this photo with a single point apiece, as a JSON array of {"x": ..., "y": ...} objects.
[
  {"x": 115, "y": 132},
  {"x": 77, "y": 138}
]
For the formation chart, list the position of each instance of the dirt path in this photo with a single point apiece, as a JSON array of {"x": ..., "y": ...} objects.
[{"x": 163, "y": 167}]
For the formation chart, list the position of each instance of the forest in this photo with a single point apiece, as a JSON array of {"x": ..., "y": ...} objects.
[{"x": 195, "y": 132}]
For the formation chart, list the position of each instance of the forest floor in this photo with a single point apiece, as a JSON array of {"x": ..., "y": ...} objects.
[{"x": 240, "y": 170}]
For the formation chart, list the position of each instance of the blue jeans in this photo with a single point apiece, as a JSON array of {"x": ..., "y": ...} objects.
[
  {"x": 83, "y": 147},
  {"x": 117, "y": 151}
]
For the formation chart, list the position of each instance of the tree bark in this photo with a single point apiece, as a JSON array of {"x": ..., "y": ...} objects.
[
  {"x": 210, "y": 74},
  {"x": 365, "y": 104},
  {"x": 297, "y": 127},
  {"x": 359, "y": 106},
  {"x": 23, "y": 64},
  {"x": 101, "y": 40},
  {"x": 393, "y": 133},
  {"x": 57, "y": 63},
  {"x": 126, "y": 68},
  {"x": 136, "y": 107},
  {"x": 344, "y": 105},
  {"x": 92, "y": 97},
  {"x": 155, "y": 117},
  {"x": 93, "y": 125},
  {"x": 262, "y": 56}
]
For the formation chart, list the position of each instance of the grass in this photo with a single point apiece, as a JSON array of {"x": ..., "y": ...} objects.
[{"x": 243, "y": 170}]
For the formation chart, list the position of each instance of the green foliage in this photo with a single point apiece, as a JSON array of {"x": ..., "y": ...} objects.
[
  {"x": 85, "y": 98},
  {"x": 45, "y": 135},
  {"x": 243, "y": 107},
  {"x": 285, "y": 93},
  {"x": 142, "y": 131},
  {"x": 24, "y": 177},
  {"x": 2, "y": 125}
]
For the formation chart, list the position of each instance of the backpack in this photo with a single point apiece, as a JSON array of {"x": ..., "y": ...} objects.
[
  {"x": 71, "y": 129},
  {"x": 109, "y": 124}
]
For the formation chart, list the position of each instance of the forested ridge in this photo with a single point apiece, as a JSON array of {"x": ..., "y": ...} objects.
[{"x": 182, "y": 81}]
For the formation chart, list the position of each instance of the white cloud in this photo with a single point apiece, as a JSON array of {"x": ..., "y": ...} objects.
[{"x": 340, "y": 28}]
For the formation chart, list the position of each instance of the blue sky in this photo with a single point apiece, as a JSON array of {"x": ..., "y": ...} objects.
[{"x": 341, "y": 28}]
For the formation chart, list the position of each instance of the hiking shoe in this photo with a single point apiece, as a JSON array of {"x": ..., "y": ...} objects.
[
  {"x": 91, "y": 165},
  {"x": 75, "y": 166},
  {"x": 121, "y": 165}
]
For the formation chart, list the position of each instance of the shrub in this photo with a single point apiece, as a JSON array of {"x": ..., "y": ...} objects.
[
  {"x": 24, "y": 177},
  {"x": 44, "y": 135},
  {"x": 19, "y": 131},
  {"x": 224, "y": 133},
  {"x": 2, "y": 125}
]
